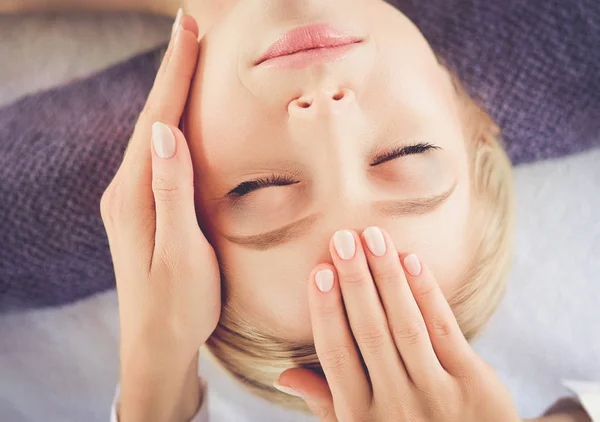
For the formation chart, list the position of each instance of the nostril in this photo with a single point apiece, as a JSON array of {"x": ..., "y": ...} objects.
[
  {"x": 302, "y": 102},
  {"x": 299, "y": 104},
  {"x": 339, "y": 96}
]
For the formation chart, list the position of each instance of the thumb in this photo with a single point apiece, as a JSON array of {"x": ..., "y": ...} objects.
[
  {"x": 312, "y": 388},
  {"x": 172, "y": 185}
]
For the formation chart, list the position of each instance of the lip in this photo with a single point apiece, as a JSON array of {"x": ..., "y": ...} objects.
[{"x": 307, "y": 45}]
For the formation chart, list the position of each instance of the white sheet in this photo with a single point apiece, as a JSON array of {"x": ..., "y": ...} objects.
[{"x": 61, "y": 365}]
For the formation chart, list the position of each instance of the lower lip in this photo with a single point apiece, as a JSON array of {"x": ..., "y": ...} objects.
[{"x": 305, "y": 46}]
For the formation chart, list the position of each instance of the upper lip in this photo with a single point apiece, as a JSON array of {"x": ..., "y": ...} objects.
[{"x": 307, "y": 38}]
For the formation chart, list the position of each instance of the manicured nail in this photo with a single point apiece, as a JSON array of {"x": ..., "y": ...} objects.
[
  {"x": 324, "y": 280},
  {"x": 286, "y": 390},
  {"x": 412, "y": 265},
  {"x": 177, "y": 21},
  {"x": 375, "y": 241},
  {"x": 163, "y": 139},
  {"x": 344, "y": 244}
]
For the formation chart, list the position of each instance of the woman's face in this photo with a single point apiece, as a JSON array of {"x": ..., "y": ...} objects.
[{"x": 290, "y": 150}]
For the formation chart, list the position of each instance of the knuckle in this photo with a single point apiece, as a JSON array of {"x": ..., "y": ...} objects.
[
  {"x": 424, "y": 290},
  {"x": 164, "y": 263},
  {"x": 105, "y": 206},
  {"x": 469, "y": 385},
  {"x": 439, "y": 327},
  {"x": 327, "y": 309},
  {"x": 353, "y": 276},
  {"x": 433, "y": 383},
  {"x": 410, "y": 331},
  {"x": 371, "y": 336},
  {"x": 389, "y": 274},
  {"x": 167, "y": 265},
  {"x": 469, "y": 367},
  {"x": 166, "y": 190},
  {"x": 335, "y": 360},
  {"x": 109, "y": 203},
  {"x": 149, "y": 114}
]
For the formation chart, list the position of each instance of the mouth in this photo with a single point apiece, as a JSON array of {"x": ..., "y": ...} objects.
[{"x": 307, "y": 45}]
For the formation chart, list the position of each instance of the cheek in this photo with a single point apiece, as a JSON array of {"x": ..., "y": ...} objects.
[
  {"x": 441, "y": 241},
  {"x": 217, "y": 112},
  {"x": 268, "y": 288},
  {"x": 221, "y": 134}
]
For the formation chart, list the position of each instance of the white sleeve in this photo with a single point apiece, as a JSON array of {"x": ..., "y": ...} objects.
[{"x": 201, "y": 416}]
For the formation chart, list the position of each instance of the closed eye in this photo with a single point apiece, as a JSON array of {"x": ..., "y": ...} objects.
[
  {"x": 280, "y": 180},
  {"x": 274, "y": 180},
  {"x": 403, "y": 151}
]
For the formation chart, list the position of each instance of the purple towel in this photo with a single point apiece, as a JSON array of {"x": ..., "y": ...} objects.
[{"x": 533, "y": 63}]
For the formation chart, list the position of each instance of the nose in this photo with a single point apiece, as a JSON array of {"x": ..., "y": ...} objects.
[
  {"x": 322, "y": 101},
  {"x": 329, "y": 126}
]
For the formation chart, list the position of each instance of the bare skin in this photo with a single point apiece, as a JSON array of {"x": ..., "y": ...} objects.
[{"x": 182, "y": 377}]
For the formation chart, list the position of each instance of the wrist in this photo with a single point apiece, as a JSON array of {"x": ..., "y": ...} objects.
[
  {"x": 154, "y": 390},
  {"x": 191, "y": 396}
]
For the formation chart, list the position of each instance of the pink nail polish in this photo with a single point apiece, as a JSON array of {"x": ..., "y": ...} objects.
[
  {"x": 345, "y": 246},
  {"x": 286, "y": 390},
  {"x": 412, "y": 265},
  {"x": 375, "y": 241},
  {"x": 177, "y": 22},
  {"x": 324, "y": 280}
]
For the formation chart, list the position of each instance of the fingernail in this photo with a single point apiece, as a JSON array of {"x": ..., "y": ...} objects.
[
  {"x": 324, "y": 280},
  {"x": 163, "y": 139},
  {"x": 177, "y": 21},
  {"x": 286, "y": 390},
  {"x": 344, "y": 244},
  {"x": 412, "y": 265},
  {"x": 375, "y": 241}
]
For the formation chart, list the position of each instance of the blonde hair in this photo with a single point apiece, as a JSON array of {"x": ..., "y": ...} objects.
[{"x": 256, "y": 359}]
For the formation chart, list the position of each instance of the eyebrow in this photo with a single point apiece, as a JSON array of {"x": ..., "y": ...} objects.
[
  {"x": 417, "y": 206},
  {"x": 277, "y": 237},
  {"x": 292, "y": 231}
]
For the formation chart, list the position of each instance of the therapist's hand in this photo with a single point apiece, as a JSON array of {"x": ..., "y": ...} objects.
[
  {"x": 419, "y": 367},
  {"x": 167, "y": 275}
]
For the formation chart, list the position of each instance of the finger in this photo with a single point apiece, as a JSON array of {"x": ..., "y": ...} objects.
[
  {"x": 173, "y": 187},
  {"x": 165, "y": 104},
  {"x": 185, "y": 27},
  {"x": 334, "y": 344},
  {"x": 167, "y": 98},
  {"x": 312, "y": 388},
  {"x": 404, "y": 317},
  {"x": 167, "y": 55},
  {"x": 451, "y": 347},
  {"x": 365, "y": 311},
  {"x": 174, "y": 29}
]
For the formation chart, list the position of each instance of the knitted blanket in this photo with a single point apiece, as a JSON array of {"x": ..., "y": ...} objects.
[{"x": 533, "y": 63}]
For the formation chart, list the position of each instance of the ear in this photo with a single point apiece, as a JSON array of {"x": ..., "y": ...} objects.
[{"x": 312, "y": 388}]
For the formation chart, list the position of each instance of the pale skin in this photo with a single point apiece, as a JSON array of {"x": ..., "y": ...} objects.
[{"x": 150, "y": 217}]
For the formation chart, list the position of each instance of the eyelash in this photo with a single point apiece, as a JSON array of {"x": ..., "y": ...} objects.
[
  {"x": 278, "y": 180},
  {"x": 263, "y": 182},
  {"x": 398, "y": 152}
]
